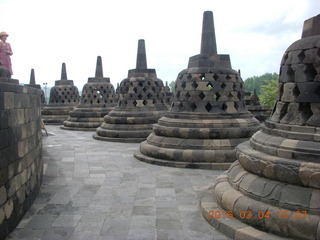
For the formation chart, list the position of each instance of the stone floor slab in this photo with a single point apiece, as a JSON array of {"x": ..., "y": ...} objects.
[{"x": 97, "y": 190}]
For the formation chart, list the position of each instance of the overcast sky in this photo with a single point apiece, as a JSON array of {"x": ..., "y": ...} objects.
[{"x": 45, "y": 33}]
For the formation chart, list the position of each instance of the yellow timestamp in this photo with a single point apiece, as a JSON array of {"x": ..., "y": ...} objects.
[{"x": 257, "y": 215}]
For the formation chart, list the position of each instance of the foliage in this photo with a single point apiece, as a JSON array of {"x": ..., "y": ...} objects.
[
  {"x": 256, "y": 82},
  {"x": 171, "y": 86},
  {"x": 269, "y": 93}
]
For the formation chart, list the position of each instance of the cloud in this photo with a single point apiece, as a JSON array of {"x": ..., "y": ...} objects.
[{"x": 45, "y": 33}]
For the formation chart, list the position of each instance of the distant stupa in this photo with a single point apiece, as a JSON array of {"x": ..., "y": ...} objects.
[
  {"x": 97, "y": 100},
  {"x": 141, "y": 103},
  {"x": 64, "y": 96},
  {"x": 37, "y": 86}
]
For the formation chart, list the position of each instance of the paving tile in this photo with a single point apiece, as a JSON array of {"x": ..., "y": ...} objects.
[
  {"x": 144, "y": 210},
  {"x": 58, "y": 233},
  {"x": 95, "y": 190},
  {"x": 66, "y": 221},
  {"x": 166, "y": 234},
  {"x": 172, "y": 224},
  {"x": 118, "y": 228},
  {"x": 40, "y": 222}
]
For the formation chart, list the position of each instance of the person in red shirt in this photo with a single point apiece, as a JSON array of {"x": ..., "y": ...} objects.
[{"x": 5, "y": 52}]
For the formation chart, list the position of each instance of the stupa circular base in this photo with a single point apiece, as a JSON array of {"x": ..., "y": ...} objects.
[
  {"x": 92, "y": 129},
  {"x": 230, "y": 226},
  {"x": 267, "y": 205},
  {"x": 85, "y": 125},
  {"x": 198, "y": 165},
  {"x": 113, "y": 139},
  {"x": 55, "y": 115},
  {"x": 54, "y": 119}
]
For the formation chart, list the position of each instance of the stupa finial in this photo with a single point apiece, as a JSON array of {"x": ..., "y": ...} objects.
[
  {"x": 311, "y": 27},
  {"x": 64, "y": 72},
  {"x": 32, "y": 78},
  {"x": 99, "y": 71},
  {"x": 141, "y": 55},
  {"x": 208, "y": 39}
]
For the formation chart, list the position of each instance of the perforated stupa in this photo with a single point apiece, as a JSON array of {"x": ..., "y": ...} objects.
[
  {"x": 64, "y": 96},
  {"x": 97, "y": 100},
  {"x": 208, "y": 117},
  {"x": 274, "y": 187},
  {"x": 141, "y": 103}
]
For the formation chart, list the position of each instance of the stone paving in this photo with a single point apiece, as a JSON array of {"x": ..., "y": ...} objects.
[{"x": 96, "y": 190}]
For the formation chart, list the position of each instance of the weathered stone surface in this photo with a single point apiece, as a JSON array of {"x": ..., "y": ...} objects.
[
  {"x": 20, "y": 152},
  {"x": 141, "y": 103},
  {"x": 208, "y": 116},
  {"x": 97, "y": 100}
]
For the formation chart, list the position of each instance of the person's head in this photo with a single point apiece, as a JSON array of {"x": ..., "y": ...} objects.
[{"x": 3, "y": 36}]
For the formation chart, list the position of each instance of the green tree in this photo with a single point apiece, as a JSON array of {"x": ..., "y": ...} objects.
[
  {"x": 269, "y": 93},
  {"x": 256, "y": 82},
  {"x": 171, "y": 86}
]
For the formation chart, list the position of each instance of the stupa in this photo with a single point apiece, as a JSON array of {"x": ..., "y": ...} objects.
[
  {"x": 207, "y": 118},
  {"x": 274, "y": 188},
  {"x": 260, "y": 112},
  {"x": 64, "y": 96},
  {"x": 97, "y": 100},
  {"x": 37, "y": 86},
  {"x": 141, "y": 103}
]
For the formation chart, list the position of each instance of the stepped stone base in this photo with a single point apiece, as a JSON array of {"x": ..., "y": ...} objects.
[
  {"x": 55, "y": 115},
  {"x": 233, "y": 228},
  {"x": 85, "y": 119},
  {"x": 268, "y": 205},
  {"x": 168, "y": 163},
  {"x": 115, "y": 139}
]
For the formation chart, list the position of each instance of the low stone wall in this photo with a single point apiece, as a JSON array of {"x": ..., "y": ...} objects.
[{"x": 21, "y": 164}]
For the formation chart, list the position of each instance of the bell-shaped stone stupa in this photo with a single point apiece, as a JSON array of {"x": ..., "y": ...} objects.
[
  {"x": 260, "y": 112},
  {"x": 97, "y": 100},
  {"x": 37, "y": 86},
  {"x": 274, "y": 187},
  {"x": 64, "y": 96},
  {"x": 207, "y": 118},
  {"x": 141, "y": 103}
]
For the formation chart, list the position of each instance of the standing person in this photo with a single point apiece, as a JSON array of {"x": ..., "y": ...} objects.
[{"x": 5, "y": 52}]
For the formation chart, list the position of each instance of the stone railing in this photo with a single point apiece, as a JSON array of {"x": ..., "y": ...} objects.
[{"x": 21, "y": 163}]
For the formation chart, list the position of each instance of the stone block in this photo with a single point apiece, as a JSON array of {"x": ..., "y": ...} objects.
[
  {"x": 8, "y": 100},
  {"x": 315, "y": 200},
  {"x": 305, "y": 228},
  {"x": 14, "y": 184},
  {"x": 286, "y": 74},
  {"x": 290, "y": 92},
  {"x": 280, "y": 111},
  {"x": 3, "y": 195},
  {"x": 311, "y": 56},
  {"x": 2, "y": 215},
  {"x": 297, "y": 56},
  {"x": 229, "y": 198},
  {"x": 247, "y": 181},
  {"x": 309, "y": 174},
  {"x": 314, "y": 120},
  {"x": 8, "y": 208},
  {"x": 297, "y": 114},
  {"x": 308, "y": 92},
  {"x": 295, "y": 196},
  {"x": 3, "y": 175}
]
